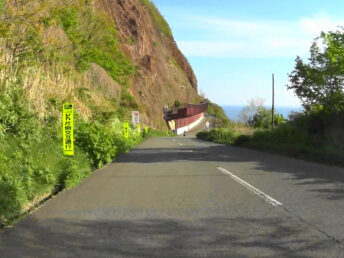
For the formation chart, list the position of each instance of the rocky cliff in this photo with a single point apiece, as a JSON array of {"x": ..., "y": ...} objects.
[
  {"x": 107, "y": 56},
  {"x": 163, "y": 74}
]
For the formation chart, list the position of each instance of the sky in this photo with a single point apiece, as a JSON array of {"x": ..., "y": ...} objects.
[{"x": 234, "y": 46}]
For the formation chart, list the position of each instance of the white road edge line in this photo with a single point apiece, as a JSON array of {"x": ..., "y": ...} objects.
[{"x": 264, "y": 196}]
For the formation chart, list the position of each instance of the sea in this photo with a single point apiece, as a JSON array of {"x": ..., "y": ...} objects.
[{"x": 233, "y": 112}]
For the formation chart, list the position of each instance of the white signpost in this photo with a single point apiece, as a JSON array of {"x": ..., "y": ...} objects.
[
  {"x": 135, "y": 116},
  {"x": 207, "y": 125}
]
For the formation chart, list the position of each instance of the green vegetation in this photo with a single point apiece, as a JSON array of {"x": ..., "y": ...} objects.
[
  {"x": 319, "y": 83},
  {"x": 315, "y": 134},
  {"x": 32, "y": 169},
  {"x": 32, "y": 165},
  {"x": 93, "y": 38},
  {"x": 257, "y": 116},
  {"x": 312, "y": 135},
  {"x": 296, "y": 138},
  {"x": 127, "y": 100},
  {"x": 173, "y": 60},
  {"x": 158, "y": 19},
  {"x": 156, "y": 133},
  {"x": 221, "y": 120},
  {"x": 31, "y": 161},
  {"x": 263, "y": 119},
  {"x": 102, "y": 142},
  {"x": 44, "y": 62},
  {"x": 220, "y": 135},
  {"x": 177, "y": 103}
]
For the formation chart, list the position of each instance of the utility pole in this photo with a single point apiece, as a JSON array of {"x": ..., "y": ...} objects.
[{"x": 273, "y": 102}]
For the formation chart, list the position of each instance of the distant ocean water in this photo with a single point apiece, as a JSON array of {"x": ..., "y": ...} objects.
[{"x": 233, "y": 112}]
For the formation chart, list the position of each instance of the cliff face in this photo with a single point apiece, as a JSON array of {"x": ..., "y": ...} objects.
[
  {"x": 107, "y": 56},
  {"x": 163, "y": 74}
]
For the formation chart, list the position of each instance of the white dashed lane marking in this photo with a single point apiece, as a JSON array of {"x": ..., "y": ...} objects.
[{"x": 256, "y": 191}]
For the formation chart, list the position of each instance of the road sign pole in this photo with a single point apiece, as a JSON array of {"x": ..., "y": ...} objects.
[
  {"x": 139, "y": 129},
  {"x": 135, "y": 118},
  {"x": 273, "y": 102}
]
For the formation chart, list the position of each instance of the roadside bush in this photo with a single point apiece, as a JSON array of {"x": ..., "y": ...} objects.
[
  {"x": 96, "y": 140},
  {"x": 294, "y": 138},
  {"x": 74, "y": 170},
  {"x": 102, "y": 142},
  {"x": 15, "y": 119},
  {"x": 218, "y": 135},
  {"x": 115, "y": 126},
  {"x": 263, "y": 119},
  {"x": 242, "y": 139},
  {"x": 12, "y": 198},
  {"x": 202, "y": 135},
  {"x": 32, "y": 169},
  {"x": 155, "y": 133}
]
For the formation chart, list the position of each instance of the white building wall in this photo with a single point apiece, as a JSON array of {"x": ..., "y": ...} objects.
[{"x": 187, "y": 128}]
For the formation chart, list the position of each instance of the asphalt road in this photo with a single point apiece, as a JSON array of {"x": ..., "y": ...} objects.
[{"x": 182, "y": 197}]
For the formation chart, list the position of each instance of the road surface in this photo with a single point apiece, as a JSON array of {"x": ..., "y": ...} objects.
[{"x": 182, "y": 197}]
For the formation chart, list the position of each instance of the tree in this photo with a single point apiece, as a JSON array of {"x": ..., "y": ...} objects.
[
  {"x": 320, "y": 82},
  {"x": 257, "y": 116},
  {"x": 262, "y": 119},
  {"x": 252, "y": 108}
]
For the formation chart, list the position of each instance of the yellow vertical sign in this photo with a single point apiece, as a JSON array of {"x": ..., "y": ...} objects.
[
  {"x": 126, "y": 129},
  {"x": 146, "y": 129},
  {"x": 68, "y": 126},
  {"x": 139, "y": 129}
]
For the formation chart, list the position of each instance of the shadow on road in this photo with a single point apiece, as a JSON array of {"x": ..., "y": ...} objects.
[
  {"x": 303, "y": 172},
  {"x": 213, "y": 237}
]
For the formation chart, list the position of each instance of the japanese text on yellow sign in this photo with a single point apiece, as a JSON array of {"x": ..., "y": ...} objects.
[
  {"x": 68, "y": 144},
  {"x": 126, "y": 129}
]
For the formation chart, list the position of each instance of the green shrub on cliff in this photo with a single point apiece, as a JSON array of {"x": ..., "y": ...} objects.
[
  {"x": 221, "y": 120},
  {"x": 159, "y": 20},
  {"x": 94, "y": 40}
]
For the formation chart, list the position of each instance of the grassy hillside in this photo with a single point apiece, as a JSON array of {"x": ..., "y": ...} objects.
[
  {"x": 56, "y": 47},
  {"x": 52, "y": 52},
  {"x": 221, "y": 118}
]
